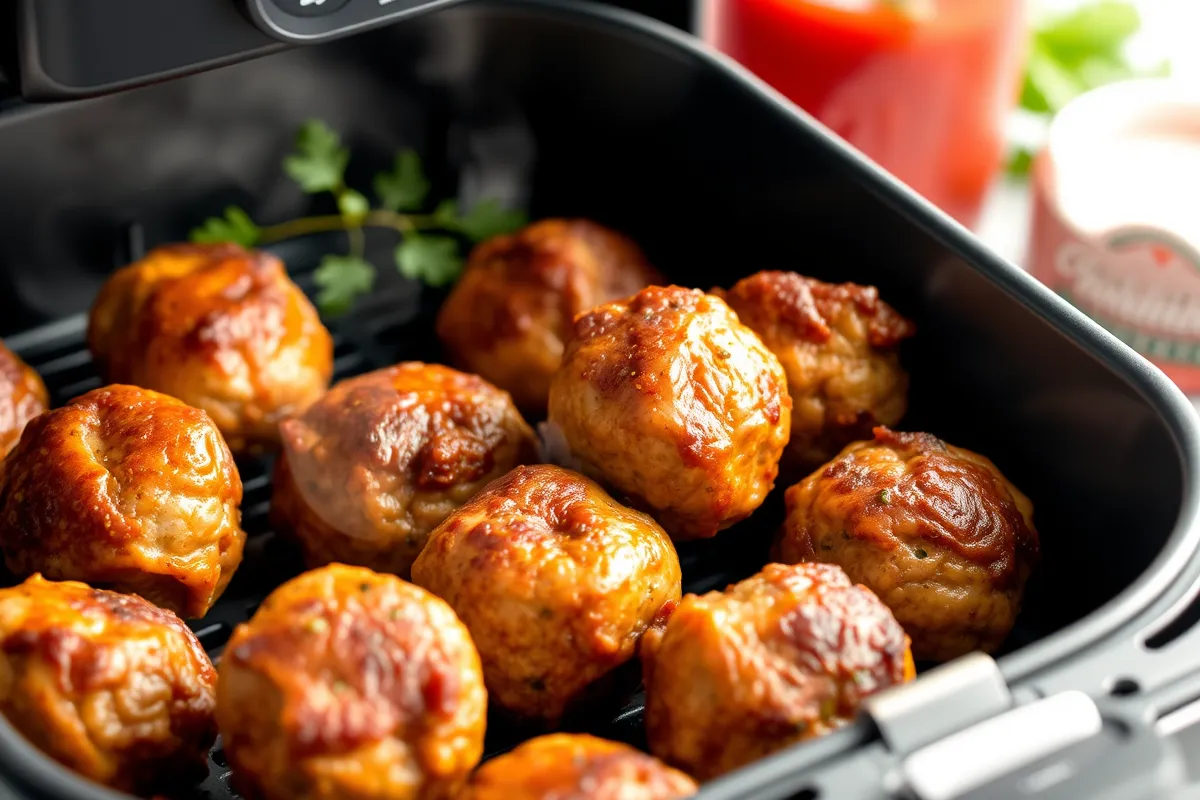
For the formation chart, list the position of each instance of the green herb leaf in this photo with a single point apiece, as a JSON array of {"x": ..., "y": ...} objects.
[
  {"x": 1049, "y": 84},
  {"x": 341, "y": 279},
  {"x": 1073, "y": 53},
  {"x": 236, "y": 226},
  {"x": 319, "y": 161},
  {"x": 405, "y": 187},
  {"x": 489, "y": 218},
  {"x": 446, "y": 215},
  {"x": 885, "y": 496},
  {"x": 353, "y": 204},
  {"x": 432, "y": 259},
  {"x": 1094, "y": 28},
  {"x": 1020, "y": 162}
]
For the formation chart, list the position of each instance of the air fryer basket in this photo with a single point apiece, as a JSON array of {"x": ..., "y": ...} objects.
[{"x": 577, "y": 110}]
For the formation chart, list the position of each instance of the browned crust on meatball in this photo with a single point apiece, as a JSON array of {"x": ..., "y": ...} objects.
[
  {"x": 350, "y": 684},
  {"x": 555, "y": 580},
  {"x": 808, "y": 308},
  {"x": 22, "y": 397},
  {"x": 786, "y": 655},
  {"x": 107, "y": 684},
  {"x": 379, "y": 461},
  {"x": 510, "y": 314},
  {"x": 937, "y": 531},
  {"x": 838, "y": 345},
  {"x": 945, "y": 495},
  {"x": 673, "y": 369},
  {"x": 576, "y": 767},
  {"x": 220, "y": 327},
  {"x": 127, "y": 488}
]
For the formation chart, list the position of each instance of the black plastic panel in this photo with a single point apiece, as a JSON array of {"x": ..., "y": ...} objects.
[
  {"x": 312, "y": 21},
  {"x": 79, "y": 48}
]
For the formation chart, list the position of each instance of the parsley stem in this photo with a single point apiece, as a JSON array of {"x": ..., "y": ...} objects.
[
  {"x": 358, "y": 241},
  {"x": 379, "y": 218}
]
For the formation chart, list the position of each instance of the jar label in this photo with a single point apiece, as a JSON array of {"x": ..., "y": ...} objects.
[{"x": 1143, "y": 286}]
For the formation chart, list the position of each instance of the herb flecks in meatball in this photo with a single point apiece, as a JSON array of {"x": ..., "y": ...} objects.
[
  {"x": 351, "y": 684},
  {"x": 935, "y": 530},
  {"x": 221, "y": 328},
  {"x": 556, "y": 582},
  {"x": 376, "y": 464},
  {"x": 576, "y": 766},
  {"x": 838, "y": 345},
  {"x": 107, "y": 684},
  {"x": 669, "y": 400},
  {"x": 129, "y": 489},
  {"x": 785, "y": 655},
  {"x": 510, "y": 314}
]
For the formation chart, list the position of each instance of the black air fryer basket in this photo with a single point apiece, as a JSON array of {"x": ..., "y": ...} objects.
[{"x": 584, "y": 110}]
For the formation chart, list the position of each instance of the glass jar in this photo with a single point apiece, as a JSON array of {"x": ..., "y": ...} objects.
[{"x": 923, "y": 87}]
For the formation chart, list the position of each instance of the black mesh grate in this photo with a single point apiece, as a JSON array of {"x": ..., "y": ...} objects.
[{"x": 394, "y": 324}]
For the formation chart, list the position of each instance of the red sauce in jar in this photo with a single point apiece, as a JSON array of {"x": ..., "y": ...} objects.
[{"x": 921, "y": 86}]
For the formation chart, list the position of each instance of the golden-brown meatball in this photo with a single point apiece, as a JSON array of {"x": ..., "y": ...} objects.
[
  {"x": 837, "y": 344},
  {"x": 556, "y": 582},
  {"x": 111, "y": 686},
  {"x": 785, "y": 655},
  {"x": 221, "y": 328},
  {"x": 22, "y": 397},
  {"x": 565, "y": 766},
  {"x": 129, "y": 489},
  {"x": 672, "y": 402},
  {"x": 351, "y": 685},
  {"x": 510, "y": 313},
  {"x": 936, "y": 531},
  {"x": 378, "y": 462}
]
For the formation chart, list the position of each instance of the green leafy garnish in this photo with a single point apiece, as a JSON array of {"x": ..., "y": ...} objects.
[
  {"x": 405, "y": 187},
  {"x": 353, "y": 204},
  {"x": 432, "y": 259},
  {"x": 340, "y": 279},
  {"x": 318, "y": 164},
  {"x": 885, "y": 496},
  {"x": 1076, "y": 52},
  {"x": 446, "y": 214},
  {"x": 236, "y": 226},
  {"x": 489, "y": 218}
]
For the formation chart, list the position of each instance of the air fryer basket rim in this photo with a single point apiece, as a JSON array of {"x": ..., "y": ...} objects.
[{"x": 29, "y": 773}]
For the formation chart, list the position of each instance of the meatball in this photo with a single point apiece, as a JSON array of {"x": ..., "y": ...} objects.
[
  {"x": 510, "y": 313},
  {"x": 785, "y": 655},
  {"x": 936, "y": 531},
  {"x": 111, "y": 686},
  {"x": 837, "y": 344},
  {"x": 566, "y": 765},
  {"x": 672, "y": 402},
  {"x": 556, "y": 582},
  {"x": 219, "y": 327},
  {"x": 129, "y": 489},
  {"x": 378, "y": 462},
  {"x": 22, "y": 397},
  {"x": 351, "y": 685}
]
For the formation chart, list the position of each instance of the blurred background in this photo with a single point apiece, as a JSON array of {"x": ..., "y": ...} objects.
[{"x": 1065, "y": 133}]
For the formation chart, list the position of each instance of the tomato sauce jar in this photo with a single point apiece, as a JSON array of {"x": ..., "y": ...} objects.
[
  {"x": 923, "y": 87},
  {"x": 1116, "y": 227}
]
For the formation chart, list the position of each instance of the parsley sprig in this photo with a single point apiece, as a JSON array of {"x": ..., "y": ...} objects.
[{"x": 430, "y": 245}]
